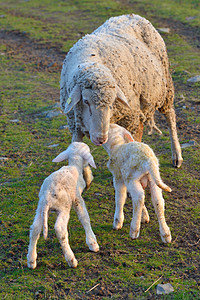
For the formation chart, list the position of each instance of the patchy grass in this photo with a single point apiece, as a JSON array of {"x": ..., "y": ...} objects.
[{"x": 34, "y": 37}]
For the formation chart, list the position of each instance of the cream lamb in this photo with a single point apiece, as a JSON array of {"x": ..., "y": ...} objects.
[
  {"x": 60, "y": 191},
  {"x": 120, "y": 74},
  {"x": 133, "y": 166}
]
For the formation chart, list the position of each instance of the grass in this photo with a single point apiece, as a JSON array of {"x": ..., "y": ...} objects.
[{"x": 123, "y": 269}]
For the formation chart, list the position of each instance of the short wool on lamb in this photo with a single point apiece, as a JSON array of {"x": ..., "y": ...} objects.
[
  {"x": 60, "y": 191},
  {"x": 134, "y": 165}
]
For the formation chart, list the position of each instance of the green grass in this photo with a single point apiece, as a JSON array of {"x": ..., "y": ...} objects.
[
  {"x": 124, "y": 269},
  {"x": 173, "y": 9}
]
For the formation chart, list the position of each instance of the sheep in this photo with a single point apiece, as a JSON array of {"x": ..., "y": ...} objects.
[
  {"x": 60, "y": 191},
  {"x": 120, "y": 74},
  {"x": 134, "y": 165}
]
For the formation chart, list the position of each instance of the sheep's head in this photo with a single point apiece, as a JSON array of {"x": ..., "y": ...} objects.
[
  {"x": 77, "y": 149},
  {"x": 97, "y": 90}
]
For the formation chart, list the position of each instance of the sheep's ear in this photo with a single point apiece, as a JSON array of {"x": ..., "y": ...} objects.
[
  {"x": 127, "y": 136},
  {"x": 121, "y": 97},
  {"x": 74, "y": 98},
  {"x": 62, "y": 156}
]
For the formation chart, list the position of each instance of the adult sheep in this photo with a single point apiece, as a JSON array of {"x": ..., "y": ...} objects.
[{"x": 120, "y": 74}]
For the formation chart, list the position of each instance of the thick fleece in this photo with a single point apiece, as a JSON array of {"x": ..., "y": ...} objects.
[{"x": 124, "y": 59}]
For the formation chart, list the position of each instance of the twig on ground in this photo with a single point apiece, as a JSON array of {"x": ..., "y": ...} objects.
[
  {"x": 93, "y": 288},
  {"x": 154, "y": 283},
  {"x": 195, "y": 243}
]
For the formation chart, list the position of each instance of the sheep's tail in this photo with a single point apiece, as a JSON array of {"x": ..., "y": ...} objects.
[
  {"x": 155, "y": 174},
  {"x": 45, "y": 213}
]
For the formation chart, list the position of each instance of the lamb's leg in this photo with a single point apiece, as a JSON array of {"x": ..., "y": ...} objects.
[
  {"x": 158, "y": 203},
  {"x": 120, "y": 198},
  {"x": 62, "y": 235},
  {"x": 35, "y": 231},
  {"x": 145, "y": 215},
  {"x": 84, "y": 218},
  {"x": 175, "y": 146},
  {"x": 137, "y": 195}
]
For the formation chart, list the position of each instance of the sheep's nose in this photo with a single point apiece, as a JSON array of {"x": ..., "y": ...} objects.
[{"x": 102, "y": 140}]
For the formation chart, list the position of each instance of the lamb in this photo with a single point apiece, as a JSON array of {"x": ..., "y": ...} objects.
[
  {"x": 60, "y": 191},
  {"x": 120, "y": 74},
  {"x": 134, "y": 165}
]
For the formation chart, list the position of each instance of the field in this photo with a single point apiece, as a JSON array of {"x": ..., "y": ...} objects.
[{"x": 34, "y": 39}]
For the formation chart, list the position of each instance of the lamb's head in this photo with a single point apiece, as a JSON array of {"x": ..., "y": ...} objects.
[
  {"x": 97, "y": 89},
  {"x": 117, "y": 135},
  {"x": 77, "y": 149}
]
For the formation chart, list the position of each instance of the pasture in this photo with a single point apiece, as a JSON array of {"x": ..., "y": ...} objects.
[{"x": 34, "y": 39}]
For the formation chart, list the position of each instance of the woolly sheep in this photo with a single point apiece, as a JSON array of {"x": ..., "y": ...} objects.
[
  {"x": 119, "y": 74},
  {"x": 133, "y": 166},
  {"x": 60, "y": 191}
]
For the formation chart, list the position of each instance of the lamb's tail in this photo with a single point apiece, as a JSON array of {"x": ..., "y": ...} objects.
[
  {"x": 155, "y": 174},
  {"x": 45, "y": 213}
]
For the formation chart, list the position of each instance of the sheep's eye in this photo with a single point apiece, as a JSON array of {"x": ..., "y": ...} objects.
[{"x": 86, "y": 102}]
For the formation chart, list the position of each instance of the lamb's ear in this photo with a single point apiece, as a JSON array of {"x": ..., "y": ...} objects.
[
  {"x": 91, "y": 162},
  {"x": 127, "y": 136},
  {"x": 121, "y": 97},
  {"x": 62, "y": 156},
  {"x": 89, "y": 158},
  {"x": 74, "y": 98}
]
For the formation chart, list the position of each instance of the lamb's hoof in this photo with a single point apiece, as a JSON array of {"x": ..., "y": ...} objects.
[
  {"x": 145, "y": 218},
  {"x": 117, "y": 224},
  {"x": 31, "y": 264},
  {"x": 166, "y": 238},
  {"x": 94, "y": 247},
  {"x": 72, "y": 262},
  {"x": 134, "y": 234},
  {"x": 177, "y": 163}
]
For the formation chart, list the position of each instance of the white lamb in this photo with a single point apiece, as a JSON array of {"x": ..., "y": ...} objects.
[
  {"x": 133, "y": 166},
  {"x": 60, "y": 191}
]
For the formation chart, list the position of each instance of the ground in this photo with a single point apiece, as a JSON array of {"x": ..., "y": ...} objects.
[{"x": 34, "y": 39}]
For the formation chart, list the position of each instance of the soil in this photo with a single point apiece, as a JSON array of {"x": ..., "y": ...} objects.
[{"x": 48, "y": 58}]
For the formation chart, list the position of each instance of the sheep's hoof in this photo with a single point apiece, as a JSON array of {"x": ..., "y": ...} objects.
[
  {"x": 177, "y": 163},
  {"x": 72, "y": 262},
  {"x": 134, "y": 234},
  {"x": 166, "y": 238},
  {"x": 32, "y": 264},
  {"x": 94, "y": 247}
]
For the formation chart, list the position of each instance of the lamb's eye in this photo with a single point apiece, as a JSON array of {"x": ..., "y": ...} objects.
[{"x": 86, "y": 102}]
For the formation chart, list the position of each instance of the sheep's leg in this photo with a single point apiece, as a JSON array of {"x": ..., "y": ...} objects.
[
  {"x": 84, "y": 218},
  {"x": 88, "y": 177},
  {"x": 175, "y": 145},
  {"x": 120, "y": 199},
  {"x": 87, "y": 173},
  {"x": 62, "y": 235},
  {"x": 158, "y": 203},
  {"x": 35, "y": 231},
  {"x": 139, "y": 132},
  {"x": 137, "y": 195}
]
